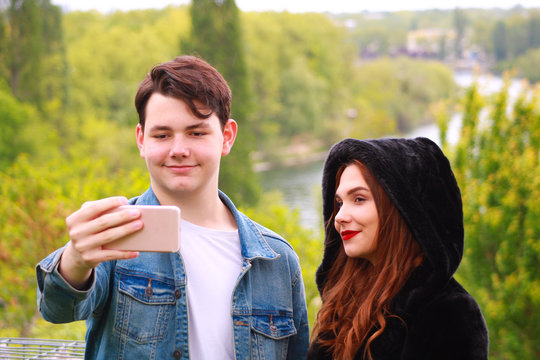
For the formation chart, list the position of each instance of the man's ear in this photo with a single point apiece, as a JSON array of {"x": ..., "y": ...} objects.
[
  {"x": 229, "y": 135},
  {"x": 140, "y": 139}
]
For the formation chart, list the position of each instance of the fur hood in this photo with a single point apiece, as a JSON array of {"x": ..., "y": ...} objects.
[
  {"x": 436, "y": 317},
  {"x": 418, "y": 179}
]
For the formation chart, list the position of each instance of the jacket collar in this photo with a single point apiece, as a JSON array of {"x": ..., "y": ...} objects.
[{"x": 252, "y": 240}]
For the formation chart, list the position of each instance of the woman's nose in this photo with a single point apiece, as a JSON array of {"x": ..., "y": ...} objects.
[{"x": 342, "y": 215}]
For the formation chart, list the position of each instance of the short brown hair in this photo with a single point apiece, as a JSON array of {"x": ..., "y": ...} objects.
[{"x": 190, "y": 79}]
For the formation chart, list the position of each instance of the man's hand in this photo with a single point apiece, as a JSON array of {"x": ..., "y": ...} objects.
[{"x": 91, "y": 227}]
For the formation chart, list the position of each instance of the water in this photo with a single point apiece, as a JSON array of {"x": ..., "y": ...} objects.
[
  {"x": 301, "y": 185},
  {"x": 487, "y": 85},
  {"x": 301, "y": 189}
]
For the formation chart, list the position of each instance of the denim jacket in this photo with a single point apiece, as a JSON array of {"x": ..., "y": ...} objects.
[{"x": 137, "y": 308}]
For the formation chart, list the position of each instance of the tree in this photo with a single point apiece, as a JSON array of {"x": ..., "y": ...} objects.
[
  {"x": 20, "y": 124},
  {"x": 527, "y": 65},
  {"x": 400, "y": 91},
  {"x": 460, "y": 24},
  {"x": 13, "y": 115},
  {"x": 534, "y": 29},
  {"x": 216, "y": 36},
  {"x": 496, "y": 163},
  {"x": 32, "y": 57},
  {"x": 301, "y": 67},
  {"x": 499, "y": 41}
]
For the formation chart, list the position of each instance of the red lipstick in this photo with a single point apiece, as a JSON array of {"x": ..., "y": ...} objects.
[{"x": 347, "y": 234}]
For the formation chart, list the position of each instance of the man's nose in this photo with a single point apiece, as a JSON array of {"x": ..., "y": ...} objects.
[{"x": 179, "y": 148}]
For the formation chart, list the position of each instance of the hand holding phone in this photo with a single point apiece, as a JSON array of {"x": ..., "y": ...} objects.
[{"x": 160, "y": 232}]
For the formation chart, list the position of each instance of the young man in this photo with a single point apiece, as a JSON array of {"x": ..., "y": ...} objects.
[{"x": 235, "y": 290}]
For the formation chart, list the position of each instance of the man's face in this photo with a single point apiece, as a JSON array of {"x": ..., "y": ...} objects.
[{"x": 182, "y": 152}]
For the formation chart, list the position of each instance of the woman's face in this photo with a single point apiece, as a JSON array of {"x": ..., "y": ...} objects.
[{"x": 357, "y": 220}]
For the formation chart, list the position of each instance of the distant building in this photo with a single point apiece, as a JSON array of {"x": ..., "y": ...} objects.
[
  {"x": 431, "y": 43},
  {"x": 441, "y": 44}
]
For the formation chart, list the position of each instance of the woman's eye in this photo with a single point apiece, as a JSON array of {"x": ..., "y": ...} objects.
[{"x": 359, "y": 199}]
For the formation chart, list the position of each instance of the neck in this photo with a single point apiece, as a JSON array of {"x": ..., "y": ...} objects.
[{"x": 206, "y": 210}]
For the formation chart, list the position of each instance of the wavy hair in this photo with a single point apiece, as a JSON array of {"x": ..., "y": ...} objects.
[
  {"x": 358, "y": 294},
  {"x": 192, "y": 80}
]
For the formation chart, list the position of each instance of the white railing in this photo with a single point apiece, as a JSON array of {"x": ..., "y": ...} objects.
[{"x": 24, "y": 348}]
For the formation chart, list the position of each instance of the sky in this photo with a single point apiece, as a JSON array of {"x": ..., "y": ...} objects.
[{"x": 334, "y": 6}]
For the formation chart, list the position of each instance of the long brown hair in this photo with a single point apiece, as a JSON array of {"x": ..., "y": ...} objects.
[{"x": 357, "y": 294}]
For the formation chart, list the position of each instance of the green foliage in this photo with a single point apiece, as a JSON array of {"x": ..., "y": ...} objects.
[
  {"x": 497, "y": 166},
  {"x": 13, "y": 115},
  {"x": 106, "y": 139},
  {"x": 393, "y": 95},
  {"x": 527, "y": 65},
  {"x": 272, "y": 213},
  {"x": 36, "y": 198},
  {"x": 460, "y": 24},
  {"x": 482, "y": 34},
  {"x": 46, "y": 330},
  {"x": 301, "y": 66},
  {"x": 21, "y": 122},
  {"x": 110, "y": 55},
  {"x": 499, "y": 41},
  {"x": 515, "y": 37},
  {"x": 216, "y": 36},
  {"x": 31, "y": 53}
]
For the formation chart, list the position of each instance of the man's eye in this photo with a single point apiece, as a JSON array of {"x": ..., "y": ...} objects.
[{"x": 160, "y": 136}]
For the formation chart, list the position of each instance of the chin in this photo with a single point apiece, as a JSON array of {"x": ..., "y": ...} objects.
[{"x": 352, "y": 254}]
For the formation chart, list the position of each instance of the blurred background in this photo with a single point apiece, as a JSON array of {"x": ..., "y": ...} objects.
[{"x": 304, "y": 75}]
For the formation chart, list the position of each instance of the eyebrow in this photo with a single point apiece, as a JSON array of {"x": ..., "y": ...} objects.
[
  {"x": 198, "y": 125},
  {"x": 159, "y": 128},
  {"x": 353, "y": 190},
  {"x": 201, "y": 124}
]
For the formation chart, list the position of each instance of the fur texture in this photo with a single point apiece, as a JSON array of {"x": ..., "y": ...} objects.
[{"x": 440, "y": 320}]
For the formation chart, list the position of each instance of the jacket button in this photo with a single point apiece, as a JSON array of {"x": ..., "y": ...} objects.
[
  {"x": 177, "y": 354},
  {"x": 177, "y": 294}
]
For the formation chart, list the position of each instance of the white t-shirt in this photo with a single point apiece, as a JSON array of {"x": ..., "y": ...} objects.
[{"x": 213, "y": 262}]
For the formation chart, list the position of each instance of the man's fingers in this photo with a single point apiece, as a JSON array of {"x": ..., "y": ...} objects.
[
  {"x": 93, "y": 209},
  {"x": 89, "y": 239},
  {"x": 80, "y": 228}
]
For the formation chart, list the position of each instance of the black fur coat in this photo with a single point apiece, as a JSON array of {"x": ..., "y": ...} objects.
[{"x": 442, "y": 320}]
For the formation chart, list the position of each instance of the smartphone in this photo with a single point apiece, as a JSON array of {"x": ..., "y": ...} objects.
[{"x": 160, "y": 233}]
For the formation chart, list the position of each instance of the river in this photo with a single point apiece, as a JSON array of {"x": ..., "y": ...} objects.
[{"x": 301, "y": 185}]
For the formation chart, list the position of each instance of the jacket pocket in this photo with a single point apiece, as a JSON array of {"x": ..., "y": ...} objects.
[
  {"x": 144, "y": 305},
  {"x": 270, "y": 333}
]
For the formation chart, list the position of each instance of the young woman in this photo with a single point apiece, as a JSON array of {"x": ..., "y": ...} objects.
[{"x": 393, "y": 240}]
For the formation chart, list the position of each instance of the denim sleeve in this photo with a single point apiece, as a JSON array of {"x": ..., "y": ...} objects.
[
  {"x": 299, "y": 343},
  {"x": 59, "y": 302}
]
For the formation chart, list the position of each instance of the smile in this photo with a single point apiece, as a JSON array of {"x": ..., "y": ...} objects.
[
  {"x": 347, "y": 234},
  {"x": 179, "y": 168}
]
